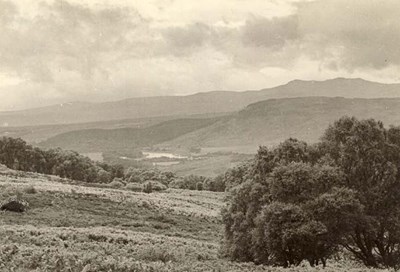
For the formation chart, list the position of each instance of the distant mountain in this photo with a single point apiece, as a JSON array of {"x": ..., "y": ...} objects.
[
  {"x": 200, "y": 103},
  {"x": 272, "y": 121},
  {"x": 263, "y": 123}
]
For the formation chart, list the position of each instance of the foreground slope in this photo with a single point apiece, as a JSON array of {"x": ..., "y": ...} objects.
[
  {"x": 73, "y": 227},
  {"x": 200, "y": 103}
]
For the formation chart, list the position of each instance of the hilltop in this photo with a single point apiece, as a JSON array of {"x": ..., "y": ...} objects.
[
  {"x": 200, "y": 103},
  {"x": 272, "y": 121}
]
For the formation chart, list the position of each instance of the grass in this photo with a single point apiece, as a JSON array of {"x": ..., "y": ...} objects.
[
  {"x": 207, "y": 165},
  {"x": 72, "y": 227}
]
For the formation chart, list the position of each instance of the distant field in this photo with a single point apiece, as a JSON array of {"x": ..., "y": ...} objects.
[
  {"x": 242, "y": 149},
  {"x": 94, "y": 156},
  {"x": 207, "y": 166},
  {"x": 70, "y": 227}
]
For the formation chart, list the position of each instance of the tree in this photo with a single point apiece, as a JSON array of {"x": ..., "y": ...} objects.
[
  {"x": 369, "y": 156},
  {"x": 304, "y": 202},
  {"x": 104, "y": 176},
  {"x": 17, "y": 154}
]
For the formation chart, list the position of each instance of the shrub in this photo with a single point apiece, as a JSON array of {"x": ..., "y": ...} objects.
[
  {"x": 30, "y": 190},
  {"x": 103, "y": 176},
  {"x": 14, "y": 205},
  {"x": 117, "y": 183},
  {"x": 143, "y": 175},
  {"x": 199, "y": 186},
  {"x": 153, "y": 186},
  {"x": 216, "y": 184},
  {"x": 157, "y": 254},
  {"x": 136, "y": 187},
  {"x": 189, "y": 182},
  {"x": 147, "y": 188}
]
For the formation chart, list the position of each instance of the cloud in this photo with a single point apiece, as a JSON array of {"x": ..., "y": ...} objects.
[
  {"x": 67, "y": 38},
  {"x": 97, "y": 50},
  {"x": 275, "y": 32},
  {"x": 357, "y": 34},
  {"x": 7, "y": 12},
  {"x": 190, "y": 36}
]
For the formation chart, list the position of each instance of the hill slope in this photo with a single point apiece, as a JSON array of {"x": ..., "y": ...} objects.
[
  {"x": 100, "y": 140},
  {"x": 263, "y": 123},
  {"x": 73, "y": 227},
  {"x": 210, "y": 102},
  {"x": 272, "y": 121}
]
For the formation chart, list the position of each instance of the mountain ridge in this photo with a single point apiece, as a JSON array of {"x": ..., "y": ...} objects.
[{"x": 199, "y": 103}]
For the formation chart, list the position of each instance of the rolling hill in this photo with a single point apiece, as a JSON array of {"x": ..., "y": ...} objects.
[
  {"x": 101, "y": 140},
  {"x": 263, "y": 123},
  {"x": 272, "y": 121},
  {"x": 36, "y": 134},
  {"x": 200, "y": 103}
]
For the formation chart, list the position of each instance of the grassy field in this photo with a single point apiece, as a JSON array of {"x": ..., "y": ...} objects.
[
  {"x": 208, "y": 165},
  {"x": 71, "y": 227}
]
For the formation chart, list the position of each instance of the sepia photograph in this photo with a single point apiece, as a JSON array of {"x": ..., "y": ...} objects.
[{"x": 199, "y": 135}]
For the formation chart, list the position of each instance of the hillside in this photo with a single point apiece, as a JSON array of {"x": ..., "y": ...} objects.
[
  {"x": 40, "y": 133},
  {"x": 272, "y": 121},
  {"x": 263, "y": 123},
  {"x": 200, "y": 103},
  {"x": 100, "y": 140},
  {"x": 73, "y": 227}
]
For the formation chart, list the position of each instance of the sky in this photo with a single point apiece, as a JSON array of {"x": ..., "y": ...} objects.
[{"x": 58, "y": 51}]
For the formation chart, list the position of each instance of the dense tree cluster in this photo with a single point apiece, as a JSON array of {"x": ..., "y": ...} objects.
[
  {"x": 200, "y": 183},
  {"x": 301, "y": 202},
  {"x": 141, "y": 175},
  {"x": 169, "y": 179},
  {"x": 17, "y": 154}
]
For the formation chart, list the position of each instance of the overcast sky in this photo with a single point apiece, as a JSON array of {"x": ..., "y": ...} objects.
[{"x": 99, "y": 50}]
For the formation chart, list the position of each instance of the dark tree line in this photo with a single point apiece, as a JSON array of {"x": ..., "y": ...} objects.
[
  {"x": 17, "y": 154},
  {"x": 301, "y": 202}
]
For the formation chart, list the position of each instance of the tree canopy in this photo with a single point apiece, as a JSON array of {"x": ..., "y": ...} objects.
[
  {"x": 17, "y": 154},
  {"x": 300, "y": 202}
]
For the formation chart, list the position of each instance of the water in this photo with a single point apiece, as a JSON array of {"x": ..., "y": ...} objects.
[
  {"x": 165, "y": 163},
  {"x": 154, "y": 155}
]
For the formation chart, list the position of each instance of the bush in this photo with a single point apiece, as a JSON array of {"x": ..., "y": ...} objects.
[
  {"x": 157, "y": 254},
  {"x": 14, "y": 205},
  {"x": 30, "y": 190},
  {"x": 216, "y": 184},
  {"x": 147, "y": 188},
  {"x": 155, "y": 185},
  {"x": 199, "y": 186},
  {"x": 117, "y": 183},
  {"x": 142, "y": 175},
  {"x": 136, "y": 187},
  {"x": 190, "y": 182},
  {"x": 103, "y": 176}
]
